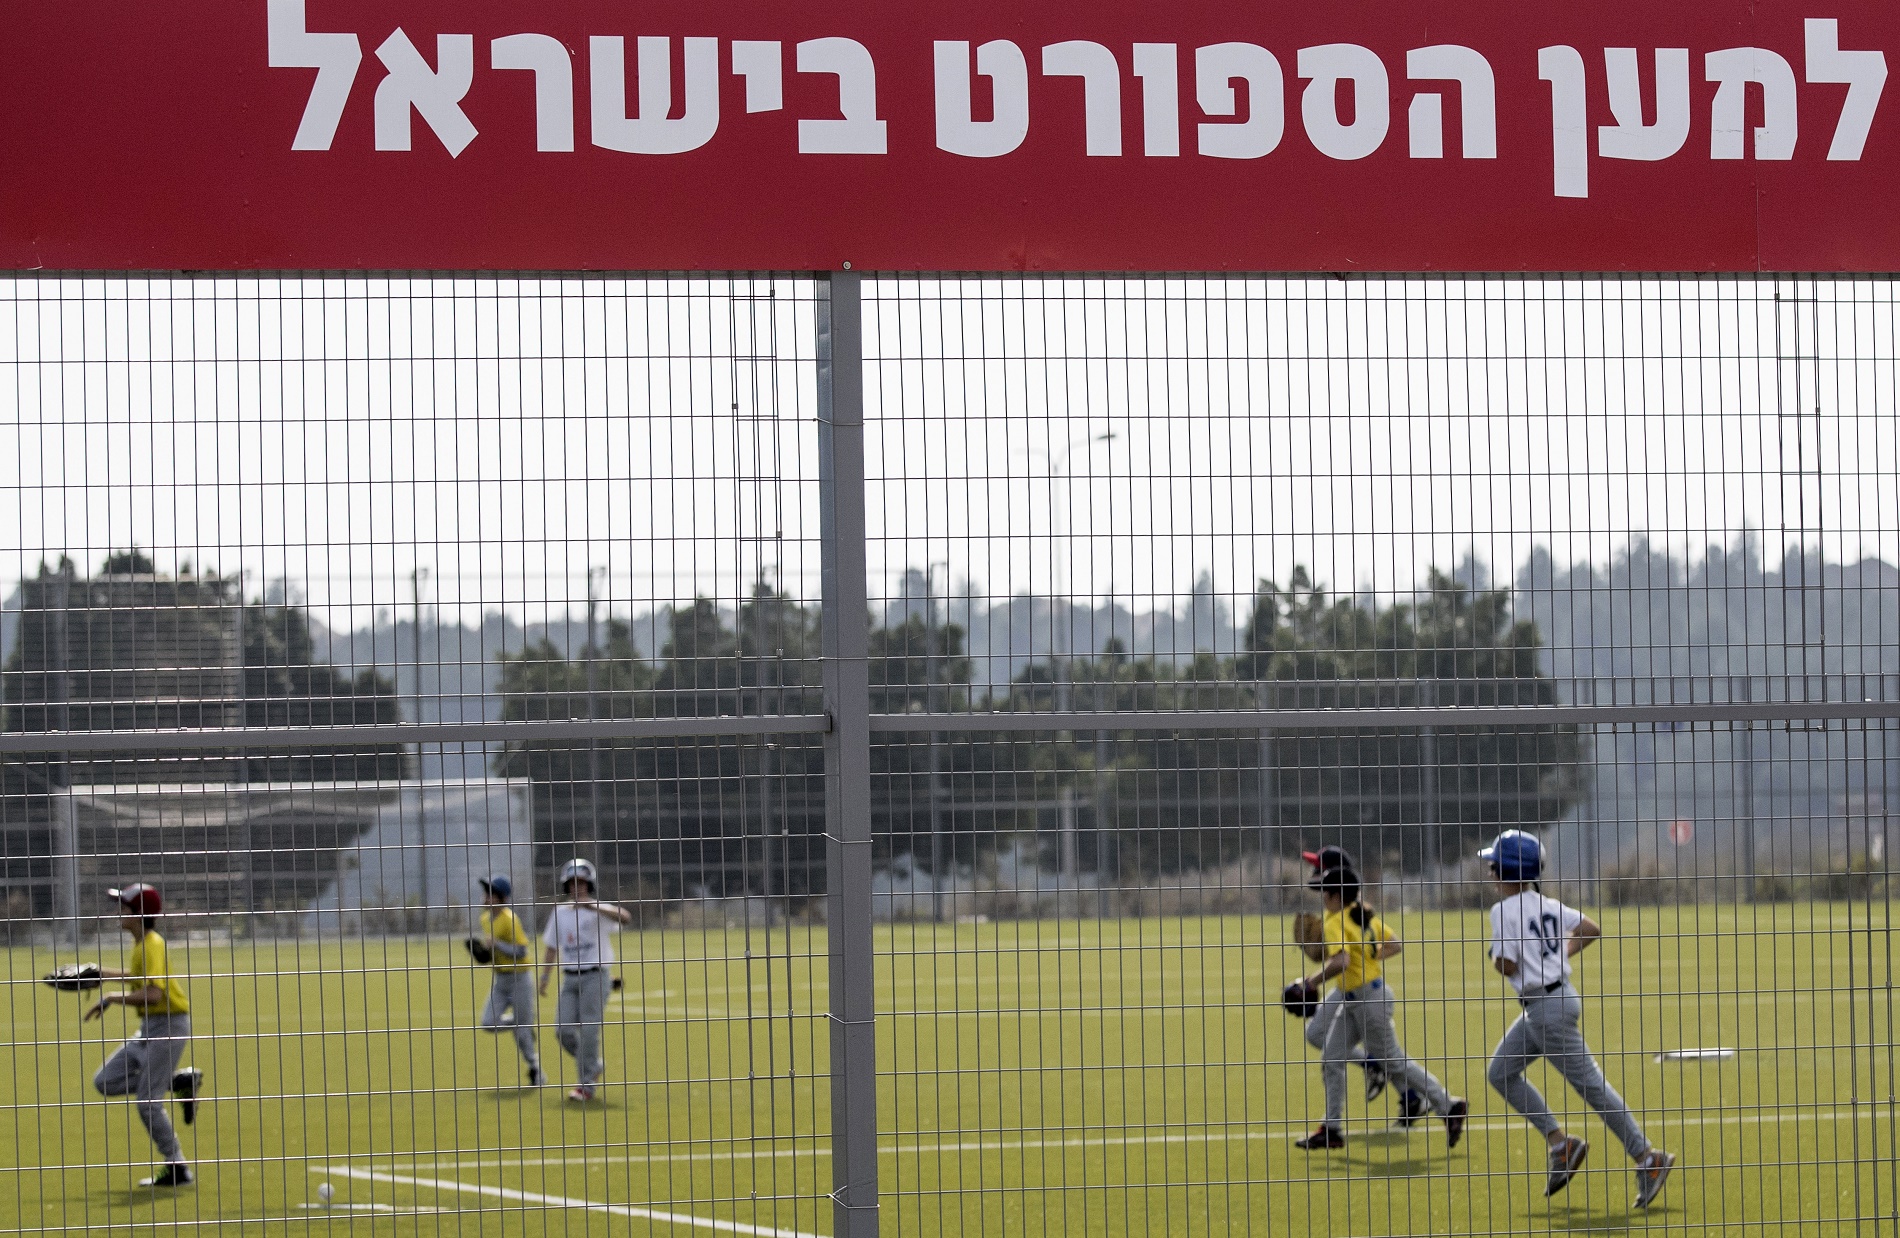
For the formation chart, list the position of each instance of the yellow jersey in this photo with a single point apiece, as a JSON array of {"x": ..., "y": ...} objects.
[
  {"x": 503, "y": 926},
  {"x": 151, "y": 965},
  {"x": 1341, "y": 932}
]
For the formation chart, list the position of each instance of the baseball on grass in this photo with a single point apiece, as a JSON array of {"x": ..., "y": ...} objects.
[{"x": 325, "y": 1192}]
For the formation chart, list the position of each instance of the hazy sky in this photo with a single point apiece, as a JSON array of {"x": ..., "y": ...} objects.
[{"x": 507, "y": 435}]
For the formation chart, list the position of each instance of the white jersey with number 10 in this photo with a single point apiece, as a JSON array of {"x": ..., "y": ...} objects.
[{"x": 1531, "y": 931}]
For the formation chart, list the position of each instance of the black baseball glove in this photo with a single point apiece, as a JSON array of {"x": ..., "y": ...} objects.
[
  {"x": 478, "y": 950},
  {"x": 74, "y": 977},
  {"x": 1300, "y": 1001}
]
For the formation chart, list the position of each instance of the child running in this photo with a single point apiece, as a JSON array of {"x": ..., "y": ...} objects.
[
  {"x": 582, "y": 944},
  {"x": 146, "y": 1066},
  {"x": 1412, "y": 1107},
  {"x": 1357, "y": 943},
  {"x": 1533, "y": 939},
  {"x": 513, "y": 989}
]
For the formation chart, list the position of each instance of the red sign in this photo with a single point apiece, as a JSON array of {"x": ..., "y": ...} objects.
[{"x": 1332, "y": 135}]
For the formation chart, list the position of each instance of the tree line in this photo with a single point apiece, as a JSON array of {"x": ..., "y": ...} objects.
[
  {"x": 86, "y": 662},
  {"x": 749, "y": 813}
]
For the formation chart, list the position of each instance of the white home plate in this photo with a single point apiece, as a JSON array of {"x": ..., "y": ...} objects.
[{"x": 1695, "y": 1055}]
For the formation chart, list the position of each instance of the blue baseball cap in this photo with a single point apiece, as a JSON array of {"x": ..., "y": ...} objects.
[
  {"x": 498, "y": 885},
  {"x": 1516, "y": 854}
]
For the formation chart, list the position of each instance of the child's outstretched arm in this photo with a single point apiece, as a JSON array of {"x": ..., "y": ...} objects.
[
  {"x": 1332, "y": 967},
  {"x": 138, "y": 999}
]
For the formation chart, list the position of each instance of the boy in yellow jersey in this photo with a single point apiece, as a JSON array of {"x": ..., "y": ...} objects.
[
  {"x": 1412, "y": 1108},
  {"x": 1357, "y": 943},
  {"x": 146, "y": 1066},
  {"x": 510, "y": 954}
]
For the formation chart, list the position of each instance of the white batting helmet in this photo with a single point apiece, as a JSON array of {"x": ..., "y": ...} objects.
[{"x": 578, "y": 867}]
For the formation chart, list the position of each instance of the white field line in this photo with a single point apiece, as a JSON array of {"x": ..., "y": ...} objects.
[
  {"x": 1489, "y": 1125},
  {"x": 561, "y": 1201},
  {"x": 311, "y": 1218}
]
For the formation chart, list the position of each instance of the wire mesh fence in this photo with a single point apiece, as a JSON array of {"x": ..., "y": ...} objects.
[{"x": 952, "y": 686}]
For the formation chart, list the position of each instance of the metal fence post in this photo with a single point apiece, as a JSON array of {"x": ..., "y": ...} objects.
[{"x": 846, "y": 631}]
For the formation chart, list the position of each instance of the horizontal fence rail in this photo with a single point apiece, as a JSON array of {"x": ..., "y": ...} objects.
[{"x": 915, "y": 723}]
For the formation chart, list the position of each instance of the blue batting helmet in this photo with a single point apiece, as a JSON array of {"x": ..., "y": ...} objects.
[
  {"x": 498, "y": 885},
  {"x": 1516, "y": 854}
]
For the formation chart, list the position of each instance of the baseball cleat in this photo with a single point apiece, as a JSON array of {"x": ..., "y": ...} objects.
[
  {"x": 1455, "y": 1121},
  {"x": 1651, "y": 1172},
  {"x": 1321, "y": 1140},
  {"x": 1375, "y": 1080},
  {"x": 171, "y": 1175},
  {"x": 535, "y": 1077},
  {"x": 1412, "y": 1109},
  {"x": 1566, "y": 1159},
  {"x": 580, "y": 1095},
  {"x": 186, "y": 1085}
]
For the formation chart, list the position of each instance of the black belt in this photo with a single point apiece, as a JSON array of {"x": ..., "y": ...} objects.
[
  {"x": 580, "y": 971},
  {"x": 1524, "y": 999}
]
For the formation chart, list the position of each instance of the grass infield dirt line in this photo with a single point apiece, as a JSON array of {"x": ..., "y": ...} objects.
[
  {"x": 562, "y": 1201},
  {"x": 1487, "y": 1125}
]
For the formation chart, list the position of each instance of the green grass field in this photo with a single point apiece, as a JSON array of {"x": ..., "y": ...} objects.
[{"x": 1125, "y": 1077}]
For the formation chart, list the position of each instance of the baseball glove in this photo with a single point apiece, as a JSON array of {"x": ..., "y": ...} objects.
[
  {"x": 478, "y": 950},
  {"x": 1300, "y": 1001},
  {"x": 74, "y": 977},
  {"x": 1309, "y": 934}
]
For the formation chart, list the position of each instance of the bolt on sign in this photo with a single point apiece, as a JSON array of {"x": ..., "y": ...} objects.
[{"x": 1205, "y": 135}]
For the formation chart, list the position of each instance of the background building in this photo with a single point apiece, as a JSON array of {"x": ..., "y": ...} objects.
[{"x": 224, "y": 832}]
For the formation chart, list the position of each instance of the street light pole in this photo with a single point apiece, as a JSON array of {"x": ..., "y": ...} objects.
[
  {"x": 1746, "y": 731},
  {"x": 932, "y": 645},
  {"x": 593, "y": 712},
  {"x": 417, "y": 578},
  {"x": 1060, "y": 652}
]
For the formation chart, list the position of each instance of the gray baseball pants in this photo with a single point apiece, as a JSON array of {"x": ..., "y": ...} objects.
[
  {"x": 143, "y": 1068},
  {"x": 1365, "y": 1015},
  {"x": 514, "y": 990},
  {"x": 1551, "y": 1028},
  {"x": 1321, "y": 1024},
  {"x": 578, "y": 1017}
]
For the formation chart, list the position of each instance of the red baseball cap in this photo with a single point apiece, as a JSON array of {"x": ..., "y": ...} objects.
[
  {"x": 139, "y": 899},
  {"x": 1327, "y": 857}
]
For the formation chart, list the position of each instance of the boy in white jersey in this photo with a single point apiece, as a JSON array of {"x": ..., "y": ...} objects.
[
  {"x": 1533, "y": 939},
  {"x": 578, "y": 938}
]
